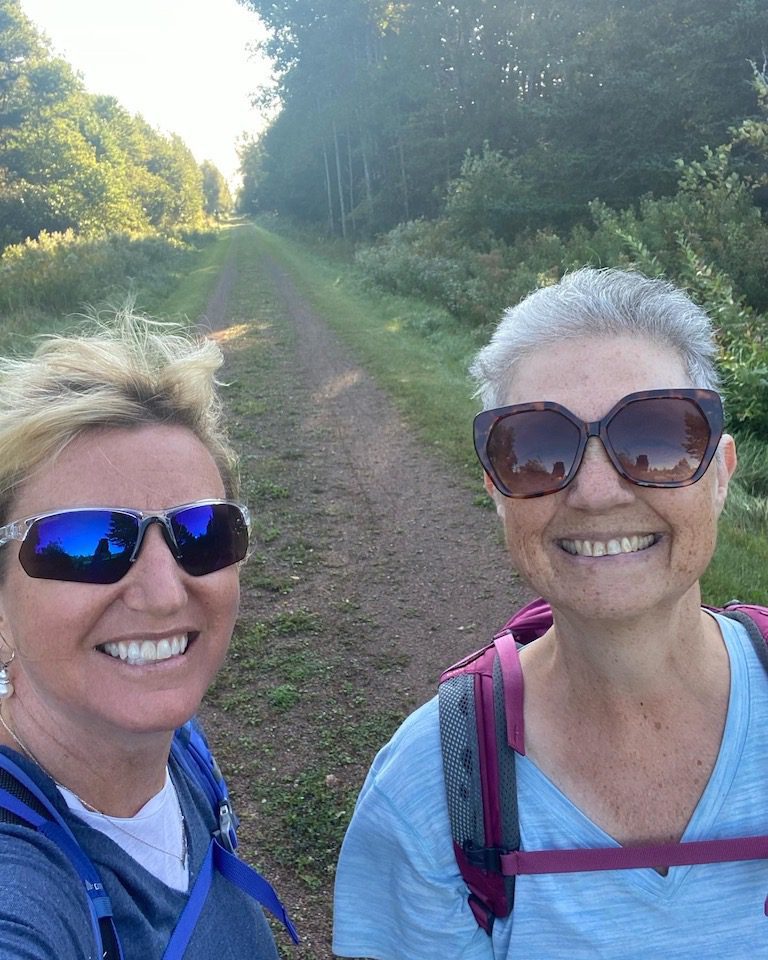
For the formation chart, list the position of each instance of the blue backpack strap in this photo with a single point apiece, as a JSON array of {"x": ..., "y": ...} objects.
[
  {"x": 253, "y": 883},
  {"x": 191, "y": 750},
  {"x": 53, "y": 826}
]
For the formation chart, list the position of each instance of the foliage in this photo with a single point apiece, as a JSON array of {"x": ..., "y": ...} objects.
[
  {"x": 218, "y": 199},
  {"x": 381, "y": 102},
  {"x": 488, "y": 201},
  {"x": 64, "y": 271},
  {"x": 710, "y": 237},
  {"x": 73, "y": 161}
]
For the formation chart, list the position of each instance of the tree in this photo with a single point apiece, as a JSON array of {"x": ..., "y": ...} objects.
[
  {"x": 218, "y": 199},
  {"x": 70, "y": 160},
  {"x": 382, "y": 100}
]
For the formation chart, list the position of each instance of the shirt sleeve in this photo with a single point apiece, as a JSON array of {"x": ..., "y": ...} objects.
[
  {"x": 399, "y": 894},
  {"x": 43, "y": 910}
]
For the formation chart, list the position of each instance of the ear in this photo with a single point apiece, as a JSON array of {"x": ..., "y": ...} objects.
[
  {"x": 726, "y": 464},
  {"x": 494, "y": 494}
]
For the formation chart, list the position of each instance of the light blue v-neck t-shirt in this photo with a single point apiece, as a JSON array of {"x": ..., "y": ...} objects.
[{"x": 399, "y": 895}]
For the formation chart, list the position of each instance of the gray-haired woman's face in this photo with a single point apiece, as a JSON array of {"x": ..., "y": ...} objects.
[{"x": 605, "y": 547}]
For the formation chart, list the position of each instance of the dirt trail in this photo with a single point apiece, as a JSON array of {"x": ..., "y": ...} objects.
[
  {"x": 425, "y": 557},
  {"x": 408, "y": 573}
]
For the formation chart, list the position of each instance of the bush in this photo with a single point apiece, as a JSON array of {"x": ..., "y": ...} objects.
[
  {"x": 59, "y": 272},
  {"x": 709, "y": 238}
]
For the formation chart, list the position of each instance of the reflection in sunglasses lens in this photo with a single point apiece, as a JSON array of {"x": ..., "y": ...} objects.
[
  {"x": 659, "y": 440},
  {"x": 90, "y": 546},
  {"x": 210, "y": 537},
  {"x": 533, "y": 451}
]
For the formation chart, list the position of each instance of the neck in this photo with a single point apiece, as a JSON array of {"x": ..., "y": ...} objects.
[
  {"x": 610, "y": 660},
  {"x": 116, "y": 777}
]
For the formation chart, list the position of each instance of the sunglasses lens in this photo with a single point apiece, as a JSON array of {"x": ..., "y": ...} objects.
[
  {"x": 84, "y": 546},
  {"x": 210, "y": 537},
  {"x": 661, "y": 440},
  {"x": 532, "y": 451}
]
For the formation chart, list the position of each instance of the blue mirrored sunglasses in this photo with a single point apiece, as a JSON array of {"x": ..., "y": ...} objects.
[{"x": 99, "y": 544}]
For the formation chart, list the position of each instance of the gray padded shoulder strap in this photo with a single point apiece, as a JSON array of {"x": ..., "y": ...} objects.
[{"x": 755, "y": 634}]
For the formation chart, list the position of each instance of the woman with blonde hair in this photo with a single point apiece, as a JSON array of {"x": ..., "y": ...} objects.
[{"x": 121, "y": 535}]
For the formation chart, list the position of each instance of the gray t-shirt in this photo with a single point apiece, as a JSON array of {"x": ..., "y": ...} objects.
[{"x": 44, "y": 913}]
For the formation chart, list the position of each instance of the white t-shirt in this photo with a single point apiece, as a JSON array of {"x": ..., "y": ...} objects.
[{"x": 155, "y": 837}]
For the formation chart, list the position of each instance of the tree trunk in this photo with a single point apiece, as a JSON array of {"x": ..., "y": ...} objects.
[
  {"x": 342, "y": 214},
  {"x": 329, "y": 192},
  {"x": 351, "y": 184},
  {"x": 404, "y": 179}
]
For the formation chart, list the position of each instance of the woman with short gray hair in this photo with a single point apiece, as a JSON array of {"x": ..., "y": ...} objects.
[{"x": 602, "y": 445}]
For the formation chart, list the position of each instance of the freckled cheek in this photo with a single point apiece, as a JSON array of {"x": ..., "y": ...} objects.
[
  {"x": 47, "y": 619},
  {"x": 526, "y": 551},
  {"x": 693, "y": 553}
]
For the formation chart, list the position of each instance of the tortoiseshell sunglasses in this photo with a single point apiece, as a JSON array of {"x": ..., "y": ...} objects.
[{"x": 654, "y": 438}]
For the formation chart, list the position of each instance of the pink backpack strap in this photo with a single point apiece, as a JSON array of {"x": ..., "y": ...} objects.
[
  {"x": 481, "y": 717},
  {"x": 512, "y": 676},
  {"x": 519, "y": 862}
]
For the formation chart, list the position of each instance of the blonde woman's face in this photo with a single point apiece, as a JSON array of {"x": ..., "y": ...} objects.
[{"x": 63, "y": 672}]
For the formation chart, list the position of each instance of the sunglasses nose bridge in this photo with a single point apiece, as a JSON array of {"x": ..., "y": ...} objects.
[
  {"x": 168, "y": 536},
  {"x": 593, "y": 429}
]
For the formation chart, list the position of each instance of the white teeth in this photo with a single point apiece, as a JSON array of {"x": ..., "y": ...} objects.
[
  {"x": 613, "y": 547},
  {"x": 147, "y": 651}
]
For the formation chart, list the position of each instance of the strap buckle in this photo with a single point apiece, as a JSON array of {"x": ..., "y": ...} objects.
[
  {"x": 226, "y": 826},
  {"x": 485, "y": 858}
]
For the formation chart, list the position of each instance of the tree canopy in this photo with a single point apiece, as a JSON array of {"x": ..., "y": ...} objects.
[
  {"x": 70, "y": 159},
  {"x": 382, "y": 99}
]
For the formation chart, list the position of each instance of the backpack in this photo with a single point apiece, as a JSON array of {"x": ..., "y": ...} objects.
[
  {"x": 21, "y": 797},
  {"x": 481, "y": 729}
]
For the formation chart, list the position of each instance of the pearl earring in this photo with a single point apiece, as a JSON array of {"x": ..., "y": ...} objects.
[{"x": 6, "y": 684}]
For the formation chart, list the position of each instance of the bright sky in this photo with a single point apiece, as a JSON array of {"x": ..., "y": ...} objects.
[{"x": 184, "y": 65}]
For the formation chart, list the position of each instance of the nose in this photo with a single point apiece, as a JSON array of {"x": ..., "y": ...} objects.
[
  {"x": 155, "y": 583},
  {"x": 597, "y": 484}
]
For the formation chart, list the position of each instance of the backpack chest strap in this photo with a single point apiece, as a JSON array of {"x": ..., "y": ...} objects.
[{"x": 521, "y": 862}]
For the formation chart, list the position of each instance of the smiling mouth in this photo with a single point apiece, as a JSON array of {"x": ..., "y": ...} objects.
[
  {"x": 608, "y": 548},
  {"x": 140, "y": 652}
]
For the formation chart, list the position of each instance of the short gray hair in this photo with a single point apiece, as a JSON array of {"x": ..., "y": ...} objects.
[{"x": 597, "y": 303}]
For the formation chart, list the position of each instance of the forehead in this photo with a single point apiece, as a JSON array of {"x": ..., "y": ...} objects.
[
  {"x": 149, "y": 467},
  {"x": 589, "y": 374}
]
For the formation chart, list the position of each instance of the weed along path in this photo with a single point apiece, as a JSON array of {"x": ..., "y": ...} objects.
[{"x": 373, "y": 570}]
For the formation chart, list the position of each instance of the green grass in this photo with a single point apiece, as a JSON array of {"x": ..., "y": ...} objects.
[
  {"x": 174, "y": 283},
  {"x": 188, "y": 298}
]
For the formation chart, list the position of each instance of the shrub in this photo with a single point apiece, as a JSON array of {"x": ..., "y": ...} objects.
[{"x": 59, "y": 272}]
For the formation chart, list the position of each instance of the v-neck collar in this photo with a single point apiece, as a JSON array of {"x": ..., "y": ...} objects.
[{"x": 572, "y": 825}]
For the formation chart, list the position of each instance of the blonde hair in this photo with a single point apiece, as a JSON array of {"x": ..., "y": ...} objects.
[{"x": 122, "y": 372}]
